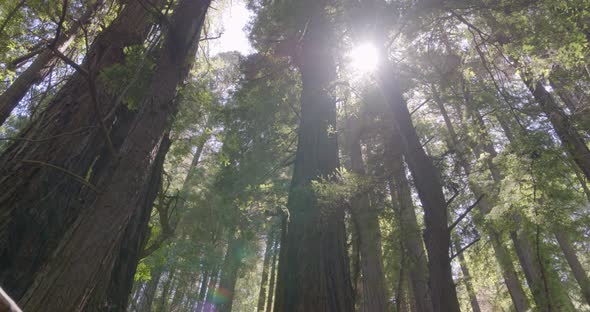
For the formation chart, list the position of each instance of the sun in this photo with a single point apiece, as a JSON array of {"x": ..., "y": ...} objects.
[{"x": 364, "y": 58}]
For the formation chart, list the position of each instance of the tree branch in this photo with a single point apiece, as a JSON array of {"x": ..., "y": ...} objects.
[
  {"x": 460, "y": 251},
  {"x": 462, "y": 216}
]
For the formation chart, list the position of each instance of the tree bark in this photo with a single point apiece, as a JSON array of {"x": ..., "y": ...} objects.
[
  {"x": 87, "y": 254},
  {"x": 366, "y": 220},
  {"x": 430, "y": 191},
  {"x": 39, "y": 203},
  {"x": 42, "y": 64},
  {"x": 203, "y": 291},
  {"x": 314, "y": 272},
  {"x": 574, "y": 263}
]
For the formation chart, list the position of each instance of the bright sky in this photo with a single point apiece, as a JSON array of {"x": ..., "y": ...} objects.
[{"x": 234, "y": 18}]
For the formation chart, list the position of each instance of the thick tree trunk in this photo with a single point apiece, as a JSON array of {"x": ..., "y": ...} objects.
[
  {"x": 574, "y": 263},
  {"x": 314, "y": 268},
  {"x": 265, "y": 269},
  {"x": 88, "y": 254},
  {"x": 519, "y": 298},
  {"x": 411, "y": 234},
  {"x": 42, "y": 64},
  {"x": 271, "y": 285},
  {"x": 430, "y": 191},
  {"x": 571, "y": 139},
  {"x": 366, "y": 220},
  {"x": 39, "y": 201},
  {"x": 229, "y": 270}
]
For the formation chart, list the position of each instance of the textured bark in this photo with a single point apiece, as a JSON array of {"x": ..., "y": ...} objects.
[
  {"x": 88, "y": 253},
  {"x": 428, "y": 184},
  {"x": 39, "y": 203},
  {"x": 412, "y": 242},
  {"x": 366, "y": 220},
  {"x": 42, "y": 64},
  {"x": 265, "y": 270},
  {"x": 519, "y": 298},
  {"x": 314, "y": 270},
  {"x": 572, "y": 259},
  {"x": 571, "y": 139}
]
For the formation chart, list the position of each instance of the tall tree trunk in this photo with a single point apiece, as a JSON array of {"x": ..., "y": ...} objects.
[
  {"x": 42, "y": 64},
  {"x": 265, "y": 268},
  {"x": 271, "y": 285},
  {"x": 212, "y": 288},
  {"x": 163, "y": 302},
  {"x": 366, "y": 220},
  {"x": 572, "y": 259},
  {"x": 314, "y": 270},
  {"x": 519, "y": 298},
  {"x": 430, "y": 191},
  {"x": 146, "y": 301},
  {"x": 467, "y": 278},
  {"x": 39, "y": 202},
  {"x": 411, "y": 234},
  {"x": 229, "y": 270},
  {"x": 87, "y": 255},
  {"x": 571, "y": 139},
  {"x": 203, "y": 291}
]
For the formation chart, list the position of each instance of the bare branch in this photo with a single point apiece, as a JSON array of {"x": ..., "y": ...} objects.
[
  {"x": 460, "y": 251},
  {"x": 464, "y": 214}
]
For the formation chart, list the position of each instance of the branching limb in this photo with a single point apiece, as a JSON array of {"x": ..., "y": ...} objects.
[{"x": 465, "y": 213}]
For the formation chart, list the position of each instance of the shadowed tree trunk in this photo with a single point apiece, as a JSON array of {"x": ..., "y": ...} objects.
[
  {"x": 412, "y": 242},
  {"x": 467, "y": 279},
  {"x": 230, "y": 269},
  {"x": 86, "y": 258},
  {"x": 39, "y": 200},
  {"x": 519, "y": 298},
  {"x": 42, "y": 64},
  {"x": 265, "y": 269},
  {"x": 314, "y": 272},
  {"x": 572, "y": 259},
  {"x": 271, "y": 285},
  {"x": 366, "y": 220},
  {"x": 571, "y": 139},
  {"x": 146, "y": 301},
  {"x": 203, "y": 291},
  {"x": 429, "y": 187}
]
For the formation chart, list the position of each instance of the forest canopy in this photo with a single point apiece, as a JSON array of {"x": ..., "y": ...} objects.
[{"x": 295, "y": 155}]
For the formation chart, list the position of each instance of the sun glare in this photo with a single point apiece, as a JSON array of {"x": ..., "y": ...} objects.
[{"x": 364, "y": 58}]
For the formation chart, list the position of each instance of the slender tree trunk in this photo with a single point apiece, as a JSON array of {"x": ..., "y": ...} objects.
[
  {"x": 163, "y": 302},
  {"x": 145, "y": 303},
  {"x": 265, "y": 268},
  {"x": 366, "y": 220},
  {"x": 42, "y": 64},
  {"x": 519, "y": 298},
  {"x": 467, "y": 279},
  {"x": 571, "y": 139},
  {"x": 39, "y": 202},
  {"x": 271, "y": 285},
  {"x": 229, "y": 270},
  {"x": 314, "y": 269},
  {"x": 209, "y": 305},
  {"x": 430, "y": 191},
  {"x": 203, "y": 291},
  {"x": 412, "y": 242},
  {"x": 574, "y": 263},
  {"x": 88, "y": 254}
]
